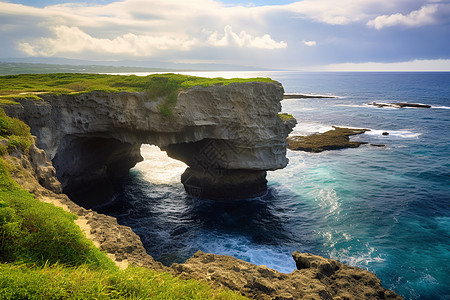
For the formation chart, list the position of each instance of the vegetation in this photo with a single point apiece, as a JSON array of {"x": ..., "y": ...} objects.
[
  {"x": 44, "y": 254},
  {"x": 59, "y": 282},
  {"x": 285, "y": 116},
  {"x": 15, "y": 133},
  {"x": 165, "y": 86}
]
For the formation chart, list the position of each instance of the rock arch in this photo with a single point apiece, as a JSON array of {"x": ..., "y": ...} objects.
[{"x": 228, "y": 135}]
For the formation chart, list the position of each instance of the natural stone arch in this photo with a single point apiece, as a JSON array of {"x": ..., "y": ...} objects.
[{"x": 228, "y": 135}]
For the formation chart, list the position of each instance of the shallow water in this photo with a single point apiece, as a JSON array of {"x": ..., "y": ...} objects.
[{"x": 383, "y": 209}]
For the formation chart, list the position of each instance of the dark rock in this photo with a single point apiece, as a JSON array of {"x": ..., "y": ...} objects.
[
  {"x": 306, "y": 96},
  {"x": 378, "y": 145},
  {"x": 385, "y": 133},
  {"x": 226, "y": 185},
  {"x": 330, "y": 140},
  {"x": 400, "y": 105}
]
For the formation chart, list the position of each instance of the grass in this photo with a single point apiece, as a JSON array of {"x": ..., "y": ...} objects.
[
  {"x": 59, "y": 282},
  {"x": 285, "y": 116},
  {"x": 44, "y": 254},
  {"x": 165, "y": 86},
  {"x": 15, "y": 132}
]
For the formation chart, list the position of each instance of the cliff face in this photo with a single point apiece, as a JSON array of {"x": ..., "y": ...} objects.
[{"x": 228, "y": 135}]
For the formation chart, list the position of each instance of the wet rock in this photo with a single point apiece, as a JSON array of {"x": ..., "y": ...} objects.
[
  {"x": 385, "y": 133},
  {"x": 400, "y": 105},
  {"x": 330, "y": 140},
  {"x": 306, "y": 96}
]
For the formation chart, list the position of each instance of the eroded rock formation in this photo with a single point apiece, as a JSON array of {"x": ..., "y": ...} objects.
[
  {"x": 228, "y": 135},
  {"x": 315, "y": 278}
]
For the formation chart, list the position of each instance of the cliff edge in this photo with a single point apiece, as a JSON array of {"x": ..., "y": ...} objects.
[{"x": 229, "y": 135}]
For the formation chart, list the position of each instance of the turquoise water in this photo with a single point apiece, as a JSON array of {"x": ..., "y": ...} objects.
[{"x": 383, "y": 209}]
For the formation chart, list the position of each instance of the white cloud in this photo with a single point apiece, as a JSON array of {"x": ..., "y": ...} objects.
[
  {"x": 347, "y": 11},
  {"x": 140, "y": 28},
  {"x": 69, "y": 40},
  {"x": 426, "y": 15},
  {"x": 73, "y": 40},
  {"x": 310, "y": 43},
  {"x": 243, "y": 40}
]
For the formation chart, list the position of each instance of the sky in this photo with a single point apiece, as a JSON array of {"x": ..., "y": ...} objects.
[{"x": 321, "y": 35}]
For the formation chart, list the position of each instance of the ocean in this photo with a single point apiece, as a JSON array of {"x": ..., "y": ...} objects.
[{"x": 384, "y": 209}]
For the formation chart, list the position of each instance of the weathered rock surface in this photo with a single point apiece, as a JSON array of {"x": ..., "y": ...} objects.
[
  {"x": 219, "y": 131},
  {"x": 330, "y": 140},
  {"x": 400, "y": 105},
  {"x": 315, "y": 278}
]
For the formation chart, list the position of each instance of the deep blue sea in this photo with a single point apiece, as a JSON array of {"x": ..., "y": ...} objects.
[{"x": 385, "y": 209}]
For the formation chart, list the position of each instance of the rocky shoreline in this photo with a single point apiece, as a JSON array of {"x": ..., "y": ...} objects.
[{"x": 315, "y": 278}]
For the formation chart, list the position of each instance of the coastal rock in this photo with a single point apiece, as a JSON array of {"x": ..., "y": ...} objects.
[
  {"x": 315, "y": 278},
  {"x": 330, "y": 140},
  {"x": 401, "y": 105},
  {"x": 223, "y": 133},
  {"x": 306, "y": 96}
]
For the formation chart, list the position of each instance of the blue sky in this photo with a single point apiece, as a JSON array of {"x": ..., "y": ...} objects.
[{"x": 302, "y": 35}]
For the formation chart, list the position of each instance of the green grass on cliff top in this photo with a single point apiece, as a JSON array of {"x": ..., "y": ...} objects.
[
  {"x": 64, "y": 83},
  {"x": 166, "y": 86}
]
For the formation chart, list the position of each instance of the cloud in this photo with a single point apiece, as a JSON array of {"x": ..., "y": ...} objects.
[
  {"x": 427, "y": 15},
  {"x": 69, "y": 40},
  {"x": 207, "y": 30},
  {"x": 243, "y": 40},
  {"x": 310, "y": 43},
  {"x": 73, "y": 40},
  {"x": 347, "y": 11}
]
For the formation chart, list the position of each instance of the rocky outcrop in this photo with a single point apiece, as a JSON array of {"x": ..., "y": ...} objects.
[
  {"x": 307, "y": 96},
  {"x": 335, "y": 139},
  {"x": 400, "y": 105},
  {"x": 228, "y": 135},
  {"x": 315, "y": 278}
]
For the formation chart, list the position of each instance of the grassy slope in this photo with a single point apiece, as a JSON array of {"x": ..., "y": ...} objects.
[{"x": 44, "y": 255}]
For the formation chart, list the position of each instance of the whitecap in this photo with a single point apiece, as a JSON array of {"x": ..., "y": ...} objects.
[
  {"x": 359, "y": 259},
  {"x": 158, "y": 167},
  {"x": 407, "y": 134},
  {"x": 240, "y": 247},
  {"x": 304, "y": 128}
]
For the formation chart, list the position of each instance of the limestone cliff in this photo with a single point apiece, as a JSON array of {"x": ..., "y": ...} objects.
[{"x": 228, "y": 135}]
